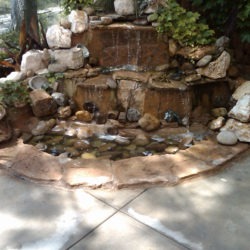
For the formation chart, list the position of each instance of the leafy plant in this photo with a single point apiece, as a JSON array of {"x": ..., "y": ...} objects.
[
  {"x": 69, "y": 5},
  {"x": 227, "y": 16},
  {"x": 14, "y": 94},
  {"x": 183, "y": 26}
]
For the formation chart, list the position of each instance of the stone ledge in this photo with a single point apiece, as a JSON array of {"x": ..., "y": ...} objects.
[{"x": 206, "y": 156}]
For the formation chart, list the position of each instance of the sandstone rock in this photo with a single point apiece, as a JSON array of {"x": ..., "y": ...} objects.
[
  {"x": 78, "y": 20},
  {"x": 131, "y": 94},
  {"x": 192, "y": 78},
  {"x": 84, "y": 116},
  {"x": 216, "y": 112},
  {"x": 88, "y": 156},
  {"x": 218, "y": 68},
  {"x": 241, "y": 111},
  {"x": 171, "y": 149},
  {"x": 204, "y": 61},
  {"x": 243, "y": 89},
  {"x": 71, "y": 58},
  {"x": 227, "y": 138},
  {"x": 141, "y": 140},
  {"x": 196, "y": 53},
  {"x": 43, "y": 127},
  {"x": 58, "y": 37},
  {"x": 124, "y": 7},
  {"x": 81, "y": 144},
  {"x": 241, "y": 130},
  {"x": 131, "y": 75},
  {"x": 163, "y": 67},
  {"x": 106, "y": 20},
  {"x": 92, "y": 72},
  {"x": 64, "y": 112},
  {"x": 33, "y": 60},
  {"x": 79, "y": 73},
  {"x": 217, "y": 123},
  {"x": 149, "y": 122},
  {"x": 42, "y": 103}
]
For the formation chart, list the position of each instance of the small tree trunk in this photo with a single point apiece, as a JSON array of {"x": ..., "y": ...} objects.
[{"x": 25, "y": 20}]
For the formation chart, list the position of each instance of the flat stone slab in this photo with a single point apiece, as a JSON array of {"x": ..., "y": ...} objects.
[
  {"x": 88, "y": 173},
  {"x": 205, "y": 156},
  {"x": 28, "y": 162}
]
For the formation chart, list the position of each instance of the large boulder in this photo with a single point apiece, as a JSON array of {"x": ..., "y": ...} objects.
[
  {"x": 69, "y": 58},
  {"x": 78, "y": 20},
  {"x": 124, "y": 7},
  {"x": 218, "y": 68},
  {"x": 58, "y": 37},
  {"x": 241, "y": 130},
  {"x": 241, "y": 111},
  {"x": 243, "y": 89},
  {"x": 34, "y": 60},
  {"x": 42, "y": 103}
]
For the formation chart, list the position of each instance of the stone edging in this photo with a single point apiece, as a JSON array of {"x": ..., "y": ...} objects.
[{"x": 27, "y": 162}]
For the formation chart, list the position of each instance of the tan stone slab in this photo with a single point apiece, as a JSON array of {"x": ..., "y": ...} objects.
[
  {"x": 213, "y": 153},
  {"x": 88, "y": 173},
  {"x": 184, "y": 165},
  {"x": 143, "y": 171},
  {"x": 165, "y": 85},
  {"x": 131, "y": 75},
  {"x": 7, "y": 156},
  {"x": 31, "y": 163}
]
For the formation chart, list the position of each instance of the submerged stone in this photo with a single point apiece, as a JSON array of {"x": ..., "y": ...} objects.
[{"x": 149, "y": 122}]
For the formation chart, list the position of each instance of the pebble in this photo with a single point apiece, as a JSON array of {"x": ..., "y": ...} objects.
[{"x": 171, "y": 149}]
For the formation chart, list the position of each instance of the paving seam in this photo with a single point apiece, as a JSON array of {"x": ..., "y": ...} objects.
[{"x": 100, "y": 224}]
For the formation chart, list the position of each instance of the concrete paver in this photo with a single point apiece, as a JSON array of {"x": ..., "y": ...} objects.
[
  {"x": 205, "y": 213},
  {"x": 211, "y": 213},
  {"x": 40, "y": 217},
  {"x": 123, "y": 233}
]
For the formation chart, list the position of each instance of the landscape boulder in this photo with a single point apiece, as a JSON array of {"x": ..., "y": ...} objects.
[
  {"x": 58, "y": 37},
  {"x": 218, "y": 68},
  {"x": 78, "y": 20},
  {"x": 124, "y": 7},
  {"x": 241, "y": 111}
]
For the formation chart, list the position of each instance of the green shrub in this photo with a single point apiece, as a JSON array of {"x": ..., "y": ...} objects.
[
  {"x": 14, "y": 93},
  {"x": 183, "y": 25}
]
